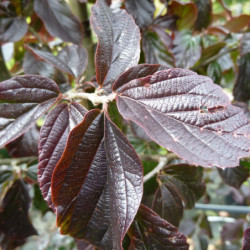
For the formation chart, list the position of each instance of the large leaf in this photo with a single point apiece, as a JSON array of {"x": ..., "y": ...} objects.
[
  {"x": 189, "y": 115},
  {"x": 25, "y": 145},
  {"x": 14, "y": 220},
  {"x": 241, "y": 89},
  {"x": 246, "y": 239},
  {"x": 178, "y": 184},
  {"x": 204, "y": 14},
  {"x": 149, "y": 231},
  {"x": 155, "y": 50},
  {"x": 234, "y": 176},
  {"x": 72, "y": 59},
  {"x": 118, "y": 46},
  {"x": 97, "y": 184},
  {"x": 58, "y": 20},
  {"x": 53, "y": 137},
  {"x": 23, "y": 99},
  {"x": 142, "y": 11}
]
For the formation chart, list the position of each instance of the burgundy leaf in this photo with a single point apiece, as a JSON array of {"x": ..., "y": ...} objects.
[
  {"x": 179, "y": 184},
  {"x": 237, "y": 24},
  {"x": 241, "y": 89},
  {"x": 14, "y": 220},
  {"x": 58, "y": 20},
  {"x": 234, "y": 176},
  {"x": 139, "y": 131},
  {"x": 23, "y": 99},
  {"x": 189, "y": 115},
  {"x": 204, "y": 14},
  {"x": 246, "y": 239},
  {"x": 155, "y": 50},
  {"x": 84, "y": 245},
  {"x": 53, "y": 137},
  {"x": 232, "y": 231},
  {"x": 149, "y": 231},
  {"x": 12, "y": 29},
  {"x": 245, "y": 44},
  {"x": 142, "y": 11},
  {"x": 104, "y": 170},
  {"x": 118, "y": 46},
  {"x": 25, "y": 145},
  {"x": 72, "y": 59},
  {"x": 165, "y": 22}
]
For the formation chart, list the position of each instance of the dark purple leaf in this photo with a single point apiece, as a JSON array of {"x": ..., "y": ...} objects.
[
  {"x": 53, "y": 137},
  {"x": 246, "y": 239},
  {"x": 139, "y": 131},
  {"x": 23, "y": 99},
  {"x": 232, "y": 231},
  {"x": 186, "y": 13},
  {"x": 25, "y": 145},
  {"x": 165, "y": 22},
  {"x": 14, "y": 220},
  {"x": 149, "y": 231},
  {"x": 204, "y": 14},
  {"x": 186, "y": 49},
  {"x": 237, "y": 24},
  {"x": 178, "y": 184},
  {"x": 189, "y": 115},
  {"x": 142, "y": 11},
  {"x": 103, "y": 169},
  {"x": 245, "y": 44},
  {"x": 155, "y": 50},
  {"x": 84, "y": 245},
  {"x": 234, "y": 176},
  {"x": 241, "y": 89},
  {"x": 118, "y": 46},
  {"x": 59, "y": 21},
  {"x": 72, "y": 59},
  {"x": 12, "y": 29},
  {"x": 7, "y": 243},
  {"x": 165, "y": 38}
]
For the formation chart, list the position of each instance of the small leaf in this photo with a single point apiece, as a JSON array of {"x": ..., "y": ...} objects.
[
  {"x": 103, "y": 168},
  {"x": 53, "y": 137},
  {"x": 59, "y": 21},
  {"x": 246, "y": 239},
  {"x": 149, "y": 231},
  {"x": 234, "y": 176},
  {"x": 155, "y": 50},
  {"x": 23, "y": 99},
  {"x": 72, "y": 59},
  {"x": 142, "y": 11},
  {"x": 179, "y": 184},
  {"x": 237, "y": 24},
  {"x": 118, "y": 46},
  {"x": 204, "y": 14},
  {"x": 26, "y": 144},
  {"x": 189, "y": 115},
  {"x": 186, "y": 13},
  {"x": 14, "y": 221}
]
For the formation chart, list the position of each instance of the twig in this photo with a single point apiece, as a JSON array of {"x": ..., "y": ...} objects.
[{"x": 17, "y": 161}]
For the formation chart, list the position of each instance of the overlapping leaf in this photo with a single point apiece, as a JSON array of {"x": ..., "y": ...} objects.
[
  {"x": 118, "y": 42},
  {"x": 23, "y": 99},
  {"x": 189, "y": 115},
  {"x": 53, "y": 137},
  {"x": 58, "y": 20},
  {"x": 149, "y": 231},
  {"x": 179, "y": 184},
  {"x": 72, "y": 59},
  {"x": 14, "y": 220},
  {"x": 237, "y": 24},
  {"x": 97, "y": 184},
  {"x": 142, "y": 11}
]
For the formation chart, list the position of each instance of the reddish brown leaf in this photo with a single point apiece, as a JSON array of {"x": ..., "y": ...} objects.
[
  {"x": 23, "y": 99},
  {"x": 118, "y": 46},
  {"x": 53, "y": 137},
  {"x": 189, "y": 115},
  {"x": 237, "y": 24}
]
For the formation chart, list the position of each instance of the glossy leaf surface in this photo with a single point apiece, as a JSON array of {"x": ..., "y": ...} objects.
[
  {"x": 58, "y": 20},
  {"x": 53, "y": 137},
  {"x": 23, "y": 99},
  {"x": 118, "y": 46},
  {"x": 149, "y": 231},
  {"x": 25, "y": 145},
  {"x": 234, "y": 176},
  {"x": 107, "y": 183},
  {"x": 179, "y": 184},
  {"x": 189, "y": 115},
  {"x": 72, "y": 59},
  {"x": 14, "y": 218},
  {"x": 142, "y": 11}
]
